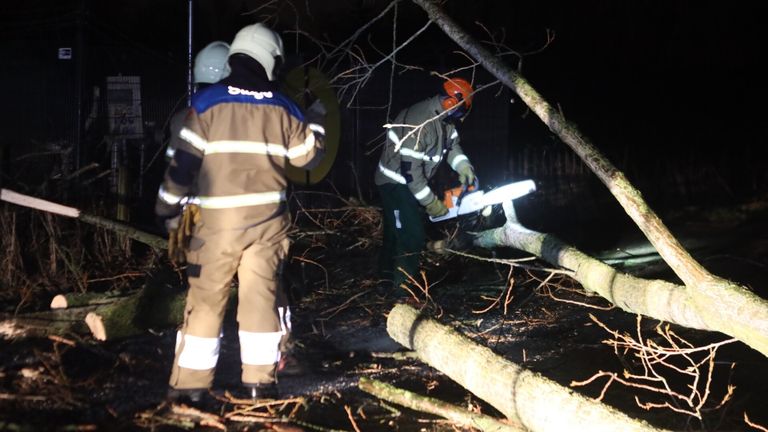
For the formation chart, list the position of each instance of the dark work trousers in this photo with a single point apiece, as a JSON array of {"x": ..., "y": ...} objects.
[{"x": 403, "y": 220}]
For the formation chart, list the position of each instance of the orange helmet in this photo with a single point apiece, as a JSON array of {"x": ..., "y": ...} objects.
[{"x": 457, "y": 90}]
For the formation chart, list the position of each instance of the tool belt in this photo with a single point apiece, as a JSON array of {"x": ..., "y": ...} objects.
[{"x": 178, "y": 239}]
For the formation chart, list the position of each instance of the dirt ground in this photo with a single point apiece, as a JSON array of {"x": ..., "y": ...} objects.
[{"x": 546, "y": 325}]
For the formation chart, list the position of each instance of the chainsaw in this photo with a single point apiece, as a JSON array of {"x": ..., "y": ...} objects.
[{"x": 463, "y": 200}]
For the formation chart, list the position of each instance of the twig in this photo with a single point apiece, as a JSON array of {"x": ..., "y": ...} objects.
[
  {"x": 327, "y": 283},
  {"x": 339, "y": 308},
  {"x": 351, "y": 418},
  {"x": 754, "y": 425},
  {"x": 652, "y": 357}
]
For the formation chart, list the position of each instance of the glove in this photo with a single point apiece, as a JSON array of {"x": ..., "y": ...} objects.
[
  {"x": 316, "y": 112},
  {"x": 180, "y": 230},
  {"x": 436, "y": 208},
  {"x": 466, "y": 174}
]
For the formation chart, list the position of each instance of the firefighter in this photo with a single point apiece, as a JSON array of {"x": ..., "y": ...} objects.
[
  {"x": 210, "y": 67},
  {"x": 424, "y": 136},
  {"x": 239, "y": 137}
]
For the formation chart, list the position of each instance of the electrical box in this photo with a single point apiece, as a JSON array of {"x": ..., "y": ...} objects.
[{"x": 124, "y": 106}]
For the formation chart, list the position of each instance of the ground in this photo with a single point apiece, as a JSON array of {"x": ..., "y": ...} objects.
[{"x": 547, "y": 325}]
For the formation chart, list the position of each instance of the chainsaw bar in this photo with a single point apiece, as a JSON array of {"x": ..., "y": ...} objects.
[{"x": 478, "y": 200}]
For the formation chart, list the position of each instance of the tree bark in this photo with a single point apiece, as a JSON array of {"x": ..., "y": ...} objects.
[
  {"x": 653, "y": 298},
  {"x": 60, "y": 322},
  {"x": 723, "y": 304},
  {"x": 525, "y": 397},
  {"x": 51, "y": 207},
  {"x": 152, "y": 240},
  {"x": 153, "y": 307},
  {"x": 105, "y": 316},
  {"x": 434, "y": 406},
  {"x": 657, "y": 299},
  {"x": 74, "y": 300}
]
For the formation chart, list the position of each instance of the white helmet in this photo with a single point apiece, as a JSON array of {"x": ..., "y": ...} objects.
[
  {"x": 260, "y": 43},
  {"x": 211, "y": 63}
]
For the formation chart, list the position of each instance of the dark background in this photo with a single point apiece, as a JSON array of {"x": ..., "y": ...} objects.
[{"x": 671, "y": 91}]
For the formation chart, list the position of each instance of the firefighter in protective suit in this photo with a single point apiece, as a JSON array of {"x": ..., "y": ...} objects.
[
  {"x": 410, "y": 158},
  {"x": 232, "y": 152},
  {"x": 210, "y": 67}
]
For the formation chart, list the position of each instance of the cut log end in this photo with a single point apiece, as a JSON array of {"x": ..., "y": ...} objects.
[
  {"x": 59, "y": 302},
  {"x": 96, "y": 325}
]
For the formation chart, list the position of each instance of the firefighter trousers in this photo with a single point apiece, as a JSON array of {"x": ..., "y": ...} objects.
[
  {"x": 404, "y": 234},
  {"x": 214, "y": 257}
]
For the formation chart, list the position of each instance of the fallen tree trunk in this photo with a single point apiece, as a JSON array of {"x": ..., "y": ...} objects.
[
  {"x": 525, "y": 397},
  {"x": 653, "y": 298},
  {"x": 657, "y": 299},
  {"x": 433, "y": 406},
  {"x": 724, "y": 305}
]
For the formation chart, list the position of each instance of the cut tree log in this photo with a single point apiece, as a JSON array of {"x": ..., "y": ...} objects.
[
  {"x": 525, "y": 397},
  {"x": 437, "y": 407},
  {"x": 106, "y": 316},
  {"x": 724, "y": 305},
  {"x": 60, "y": 322},
  {"x": 148, "y": 308}
]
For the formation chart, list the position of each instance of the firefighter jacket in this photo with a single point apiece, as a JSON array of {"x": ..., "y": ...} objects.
[
  {"x": 174, "y": 127},
  {"x": 419, "y": 154},
  {"x": 232, "y": 152}
]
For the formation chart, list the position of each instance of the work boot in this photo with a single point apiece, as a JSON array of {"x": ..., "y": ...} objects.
[
  {"x": 196, "y": 398},
  {"x": 185, "y": 396},
  {"x": 257, "y": 391}
]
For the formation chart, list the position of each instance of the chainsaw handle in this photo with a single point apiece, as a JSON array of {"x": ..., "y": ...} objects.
[{"x": 465, "y": 189}]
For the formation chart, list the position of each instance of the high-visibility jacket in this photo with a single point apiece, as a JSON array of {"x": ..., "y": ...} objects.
[
  {"x": 419, "y": 154},
  {"x": 236, "y": 164}
]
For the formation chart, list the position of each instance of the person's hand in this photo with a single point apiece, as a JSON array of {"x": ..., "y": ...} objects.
[
  {"x": 466, "y": 174},
  {"x": 436, "y": 208}
]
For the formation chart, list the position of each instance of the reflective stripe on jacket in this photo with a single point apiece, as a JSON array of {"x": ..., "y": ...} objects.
[
  {"x": 232, "y": 153},
  {"x": 174, "y": 126},
  {"x": 419, "y": 153}
]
